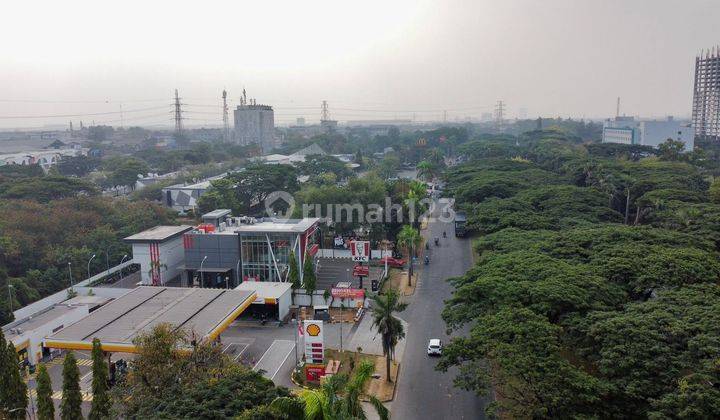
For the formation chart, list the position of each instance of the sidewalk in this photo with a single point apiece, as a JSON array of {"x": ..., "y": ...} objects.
[{"x": 371, "y": 343}]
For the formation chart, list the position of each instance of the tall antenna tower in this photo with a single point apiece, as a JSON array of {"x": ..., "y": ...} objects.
[
  {"x": 178, "y": 114},
  {"x": 445, "y": 116},
  {"x": 325, "y": 115},
  {"x": 226, "y": 123},
  {"x": 617, "y": 109},
  {"x": 500, "y": 115}
]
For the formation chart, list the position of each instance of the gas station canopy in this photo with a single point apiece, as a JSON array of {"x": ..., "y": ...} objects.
[{"x": 205, "y": 312}]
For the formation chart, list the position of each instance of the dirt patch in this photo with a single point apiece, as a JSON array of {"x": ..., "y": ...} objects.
[
  {"x": 379, "y": 386},
  {"x": 398, "y": 280}
]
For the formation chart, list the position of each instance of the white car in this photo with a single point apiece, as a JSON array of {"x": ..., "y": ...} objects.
[{"x": 435, "y": 347}]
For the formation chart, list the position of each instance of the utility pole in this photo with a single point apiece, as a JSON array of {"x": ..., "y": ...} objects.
[
  {"x": 226, "y": 123},
  {"x": 325, "y": 114},
  {"x": 500, "y": 115},
  {"x": 445, "y": 116},
  {"x": 617, "y": 109},
  {"x": 121, "y": 116},
  {"x": 178, "y": 114}
]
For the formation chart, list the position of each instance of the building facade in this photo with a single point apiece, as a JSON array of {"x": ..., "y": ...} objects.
[
  {"x": 255, "y": 124},
  {"x": 243, "y": 249},
  {"x": 628, "y": 130},
  {"x": 706, "y": 94}
]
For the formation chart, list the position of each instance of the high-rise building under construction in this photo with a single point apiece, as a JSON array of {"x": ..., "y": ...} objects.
[
  {"x": 255, "y": 124},
  {"x": 706, "y": 95}
]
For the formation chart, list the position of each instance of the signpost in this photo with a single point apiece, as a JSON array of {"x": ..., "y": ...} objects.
[
  {"x": 360, "y": 251},
  {"x": 314, "y": 347},
  {"x": 347, "y": 293}
]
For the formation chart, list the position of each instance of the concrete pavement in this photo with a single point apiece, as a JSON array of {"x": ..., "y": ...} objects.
[{"x": 422, "y": 391}]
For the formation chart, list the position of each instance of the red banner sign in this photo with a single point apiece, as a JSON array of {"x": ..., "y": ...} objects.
[{"x": 347, "y": 293}]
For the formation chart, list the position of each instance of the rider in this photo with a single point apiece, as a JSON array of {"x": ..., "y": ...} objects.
[{"x": 444, "y": 234}]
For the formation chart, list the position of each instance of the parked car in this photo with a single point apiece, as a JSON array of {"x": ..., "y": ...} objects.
[
  {"x": 435, "y": 347},
  {"x": 392, "y": 262}
]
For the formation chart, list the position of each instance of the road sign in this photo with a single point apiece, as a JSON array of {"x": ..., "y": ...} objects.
[{"x": 360, "y": 251}]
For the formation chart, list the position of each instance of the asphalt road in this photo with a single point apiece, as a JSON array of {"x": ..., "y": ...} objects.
[{"x": 423, "y": 392}]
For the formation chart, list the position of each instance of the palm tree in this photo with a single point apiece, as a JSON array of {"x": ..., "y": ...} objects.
[
  {"x": 389, "y": 327},
  {"x": 426, "y": 170},
  {"x": 338, "y": 398},
  {"x": 409, "y": 238}
]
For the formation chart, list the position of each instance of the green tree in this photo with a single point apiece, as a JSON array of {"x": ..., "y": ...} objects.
[
  {"x": 671, "y": 150},
  {"x": 410, "y": 239},
  {"x": 17, "y": 399},
  {"x": 293, "y": 275},
  {"x": 426, "y": 170},
  {"x": 258, "y": 181},
  {"x": 388, "y": 326},
  {"x": 45, "y": 405},
  {"x": 715, "y": 191},
  {"x": 100, "y": 408},
  {"x": 125, "y": 171},
  {"x": 309, "y": 279},
  {"x": 337, "y": 398},
  {"x": 71, "y": 404},
  {"x": 4, "y": 376}
]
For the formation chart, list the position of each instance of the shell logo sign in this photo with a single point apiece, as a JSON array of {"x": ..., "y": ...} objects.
[
  {"x": 313, "y": 330},
  {"x": 314, "y": 348}
]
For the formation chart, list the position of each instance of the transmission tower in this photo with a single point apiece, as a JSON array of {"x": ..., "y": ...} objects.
[
  {"x": 325, "y": 115},
  {"x": 226, "y": 123},
  {"x": 178, "y": 114},
  {"x": 500, "y": 115}
]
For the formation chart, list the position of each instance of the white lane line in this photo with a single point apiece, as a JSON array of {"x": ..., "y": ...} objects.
[
  {"x": 264, "y": 354},
  {"x": 235, "y": 359},
  {"x": 292, "y": 348}
]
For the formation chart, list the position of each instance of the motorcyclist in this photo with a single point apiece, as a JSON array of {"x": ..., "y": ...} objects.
[
  {"x": 427, "y": 245},
  {"x": 444, "y": 234},
  {"x": 437, "y": 241},
  {"x": 427, "y": 260}
]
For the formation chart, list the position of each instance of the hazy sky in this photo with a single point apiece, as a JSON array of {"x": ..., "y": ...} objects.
[{"x": 370, "y": 59}]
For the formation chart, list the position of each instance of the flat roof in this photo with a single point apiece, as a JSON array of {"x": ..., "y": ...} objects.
[
  {"x": 206, "y": 312},
  {"x": 266, "y": 289},
  {"x": 158, "y": 233},
  {"x": 272, "y": 226},
  {"x": 217, "y": 213},
  {"x": 36, "y": 320}
]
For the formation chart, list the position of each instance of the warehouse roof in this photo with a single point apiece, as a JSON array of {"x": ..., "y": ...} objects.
[
  {"x": 206, "y": 312},
  {"x": 158, "y": 233}
]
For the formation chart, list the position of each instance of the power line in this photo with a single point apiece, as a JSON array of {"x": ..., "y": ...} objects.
[{"x": 10, "y": 117}]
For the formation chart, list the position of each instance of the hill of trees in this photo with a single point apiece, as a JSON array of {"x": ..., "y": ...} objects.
[
  {"x": 595, "y": 293},
  {"x": 48, "y": 221}
]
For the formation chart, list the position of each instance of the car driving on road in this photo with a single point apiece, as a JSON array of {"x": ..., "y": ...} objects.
[{"x": 435, "y": 347}]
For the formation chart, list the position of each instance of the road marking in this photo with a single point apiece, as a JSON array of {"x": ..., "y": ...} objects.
[
  {"x": 235, "y": 359},
  {"x": 268, "y": 351},
  {"x": 284, "y": 360}
]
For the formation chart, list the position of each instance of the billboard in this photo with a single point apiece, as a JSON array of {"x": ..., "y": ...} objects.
[
  {"x": 314, "y": 347},
  {"x": 360, "y": 251},
  {"x": 347, "y": 293}
]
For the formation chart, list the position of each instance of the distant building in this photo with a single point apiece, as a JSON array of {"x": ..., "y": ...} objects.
[
  {"x": 184, "y": 197},
  {"x": 706, "y": 94},
  {"x": 255, "y": 124},
  {"x": 300, "y": 122},
  {"x": 44, "y": 158},
  {"x": 627, "y": 130}
]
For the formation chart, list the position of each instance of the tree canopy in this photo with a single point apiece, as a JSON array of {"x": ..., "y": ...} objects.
[{"x": 596, "y": 286}]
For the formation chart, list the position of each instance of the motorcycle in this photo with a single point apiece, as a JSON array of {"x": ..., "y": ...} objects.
[
  {"x": 427, "y": 245},
  {"x": 427, "y": 260},
  {"x": 444, "y": 234},
  {"x": 437, "y": 242}
]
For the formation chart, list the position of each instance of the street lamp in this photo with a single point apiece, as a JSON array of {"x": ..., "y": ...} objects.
[
  {"x": 10, "y": 287},
  {"x": 201, "y": 272},
  {"x": 237, "y": 272},
  {"x": 107, "y": 261},
  {"x": 70, "y": 274},
  {"x": 88, "y": 267},
  {"x": 121, "y": 262}
]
